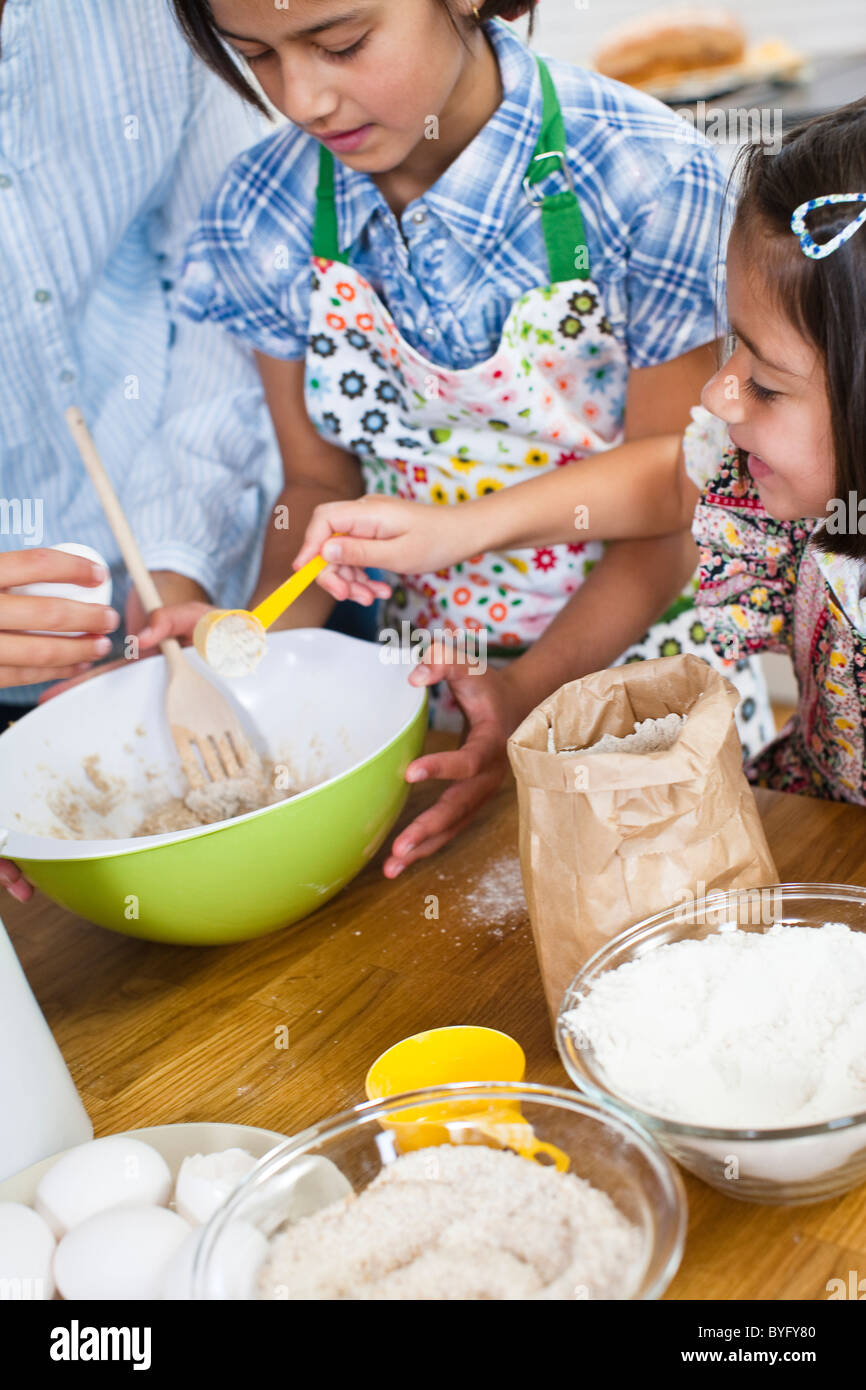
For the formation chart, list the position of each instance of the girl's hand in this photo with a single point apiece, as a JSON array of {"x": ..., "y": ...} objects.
[
  {"x": 386, "y": 533},
  {"x": 493, "y": 707},
  {"x": 29, "y": 652}
]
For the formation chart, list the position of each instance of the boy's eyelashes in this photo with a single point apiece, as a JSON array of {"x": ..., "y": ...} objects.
[{"x": 760, "y": 393}]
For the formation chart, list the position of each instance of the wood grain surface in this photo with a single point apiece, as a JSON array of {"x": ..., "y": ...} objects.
[{"x": 157, "y": 1034}]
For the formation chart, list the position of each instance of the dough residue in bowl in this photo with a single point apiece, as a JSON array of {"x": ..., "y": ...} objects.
[
  {"x": 460, "y": 1222},
  {"x": 98, "y": 805},
  {"x": 214, "y": 802}
]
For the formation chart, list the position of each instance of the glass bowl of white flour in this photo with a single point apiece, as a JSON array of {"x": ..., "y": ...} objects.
[
  {"x": 426, "y": 1196},
  {"x": 733, "y": 1028}
]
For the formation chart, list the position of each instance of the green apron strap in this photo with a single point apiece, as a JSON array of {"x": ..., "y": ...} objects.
[
  {"x": 561, "y": 218},
  {"x": 325, "y": 235}
]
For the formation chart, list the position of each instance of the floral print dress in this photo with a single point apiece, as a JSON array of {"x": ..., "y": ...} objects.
[
  {"x": 764, "y": 586},
  {"x": 552, "y": 393}
]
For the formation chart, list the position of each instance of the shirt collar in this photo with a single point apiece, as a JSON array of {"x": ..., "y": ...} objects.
[{"x": 476, "y": 194}]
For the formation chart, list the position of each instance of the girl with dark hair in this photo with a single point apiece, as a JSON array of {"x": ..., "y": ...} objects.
[
  {"x": 462, "y": 266},
  {"x": 780, "y": 462}
]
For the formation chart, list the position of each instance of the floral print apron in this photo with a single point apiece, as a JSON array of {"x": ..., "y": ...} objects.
[{"x": 552, "y": 393}]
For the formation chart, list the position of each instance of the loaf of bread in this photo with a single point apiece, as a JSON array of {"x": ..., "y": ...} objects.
[{"x": 670, "y": 42}]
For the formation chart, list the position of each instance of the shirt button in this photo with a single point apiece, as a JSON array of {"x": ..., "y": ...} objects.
[
  {"x": 5, "y": 181},
  {"x": 419, "y": 217},
  {"x": 42, "y": 296},
  {"x": 66, "y": 376}
]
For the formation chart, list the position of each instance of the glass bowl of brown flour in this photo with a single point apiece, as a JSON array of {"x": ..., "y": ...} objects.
[{"x": 364, "y": 1207}]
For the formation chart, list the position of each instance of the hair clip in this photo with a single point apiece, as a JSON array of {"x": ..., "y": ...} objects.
[{"x": 817, "y": 251}]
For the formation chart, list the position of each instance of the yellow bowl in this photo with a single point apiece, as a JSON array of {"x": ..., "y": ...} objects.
[{"x": 443, "y": 1056}]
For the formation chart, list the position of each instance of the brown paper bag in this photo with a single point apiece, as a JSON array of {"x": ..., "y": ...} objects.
[{"x": 607, "y": 839}]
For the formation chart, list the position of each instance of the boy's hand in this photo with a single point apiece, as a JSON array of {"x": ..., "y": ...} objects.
[
  {"x": 493, "y": 706},
  {"x": 386, "y": 533},
  {"x": 29, "y": 652}
]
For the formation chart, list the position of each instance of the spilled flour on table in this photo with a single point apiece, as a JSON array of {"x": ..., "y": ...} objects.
[{"x": 495, "y": 898}]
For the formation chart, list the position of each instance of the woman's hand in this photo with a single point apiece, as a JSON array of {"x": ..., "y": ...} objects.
[
  {"x": 386, "y": 533},
  {"x": 494, "y": 705},
  {"x": 29, "y": 651}
]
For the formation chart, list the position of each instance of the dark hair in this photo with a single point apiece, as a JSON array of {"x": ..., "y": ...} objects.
[
  {"x": 196, "y": 20},
  {"x": 824, "y": 300}
]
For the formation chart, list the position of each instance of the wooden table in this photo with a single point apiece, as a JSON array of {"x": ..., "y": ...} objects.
[{"x": 156, "y": 1034}]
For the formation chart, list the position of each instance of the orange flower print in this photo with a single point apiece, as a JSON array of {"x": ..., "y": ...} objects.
[
  {"x": 509, "y": 639},
  {"x": 590, "y": 411},
  {"x": 364, "y": 322},
  {"x": 345, "y": 290},
  {"x": 477, "y": 578},
  {"x": 498, "y": 612},
  {"x": 473, "y": 625},
  {"x": 419, "y": 475},
  {"x": 335, "y": 321},
  {"x": 462, "y": 595}
]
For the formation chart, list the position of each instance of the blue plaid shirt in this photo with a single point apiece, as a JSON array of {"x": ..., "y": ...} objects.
[{"x": 650, "y": 188}]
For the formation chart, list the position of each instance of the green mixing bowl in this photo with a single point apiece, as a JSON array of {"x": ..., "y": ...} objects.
[{"x": 332, "y": 711}]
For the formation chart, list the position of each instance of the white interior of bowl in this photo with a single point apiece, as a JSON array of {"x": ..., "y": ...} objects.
[{"x": 318, "y": 705}]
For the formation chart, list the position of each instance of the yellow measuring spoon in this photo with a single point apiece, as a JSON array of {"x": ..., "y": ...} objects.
[
  {"x": 444, "y": 1055},
  {"x": 233, "y": 640}
]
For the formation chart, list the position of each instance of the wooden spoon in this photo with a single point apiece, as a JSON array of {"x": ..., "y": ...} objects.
[{"x": 201, "y": 719}]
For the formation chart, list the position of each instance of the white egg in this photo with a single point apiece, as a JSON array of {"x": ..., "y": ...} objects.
[
  {"x": 26, "y": 1252},
  {"x": 97, "y": 593},
  {"x": 206, "y": 1180},
  {"x": 233, "y": 1265},
  {"x": 177, "y": 1278},
  {"x": 111, "y": 1172},
  {"x": 122, "y": 1253},
  {"x": 235, "y": 1260}
]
